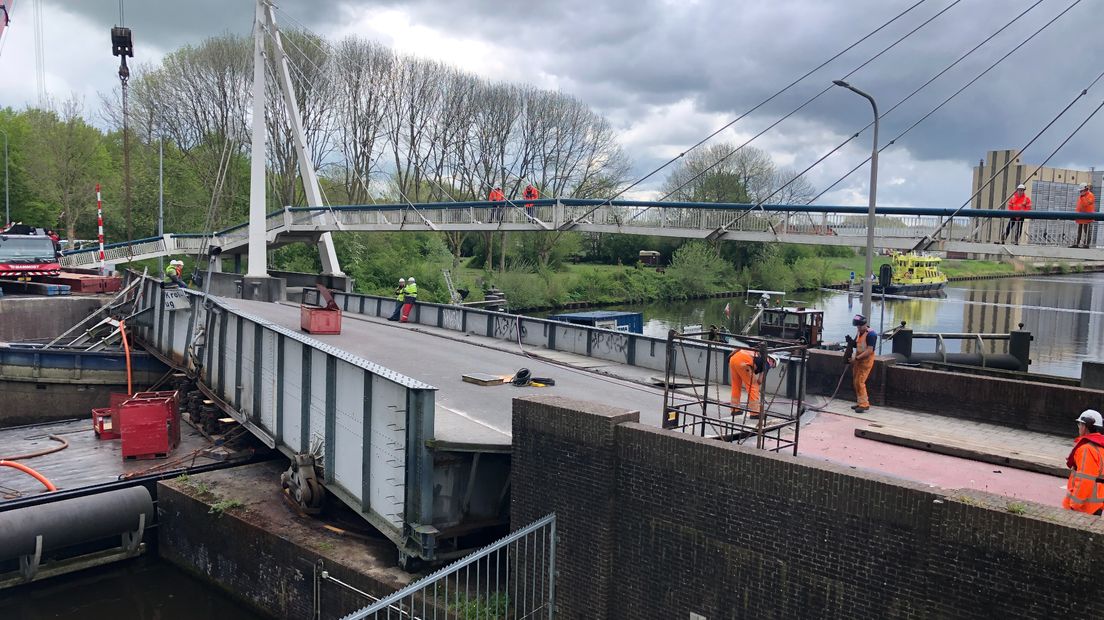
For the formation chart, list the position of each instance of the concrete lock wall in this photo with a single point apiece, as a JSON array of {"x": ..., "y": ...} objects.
[
  {"x": 1026, "y": 405},
  {"x": 273, "y": 572},
  {"x": 656, "y": 524}
]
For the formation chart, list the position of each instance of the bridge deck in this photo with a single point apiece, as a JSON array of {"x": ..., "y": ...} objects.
[{"x": 466, "y": 413}]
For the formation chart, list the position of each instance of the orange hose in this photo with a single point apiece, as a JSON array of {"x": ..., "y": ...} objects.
[
  {"x": 126, "y": 348},
  {"x": 27, "y": 470}
]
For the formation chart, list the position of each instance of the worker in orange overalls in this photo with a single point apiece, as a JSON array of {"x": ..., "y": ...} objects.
[
  {"x": 1085, "y": 488},
  {"x": 746, "y": 370},
  {"x": 530, "y": 193},
  {"x": 863, "y": 361},
  {"x": 497, "y": 196},
  {"x": 1018, "y": 202},
  {"x": 1086, "y": 203}
]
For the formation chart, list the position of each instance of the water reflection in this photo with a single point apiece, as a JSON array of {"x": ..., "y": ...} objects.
[{"x": 1064, "y": 313}]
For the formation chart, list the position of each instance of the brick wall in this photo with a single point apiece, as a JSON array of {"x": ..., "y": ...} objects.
[
  {"x": 568, "y": 466},
  {"x": 1018, "y": 404},
  {"x": 655, "y": 524}
]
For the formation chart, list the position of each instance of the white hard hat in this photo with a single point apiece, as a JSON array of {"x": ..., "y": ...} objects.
[
  {"x": 410, "y": 279},
  {"x": 176, "y": 262},
  {"x": 1084, "y": 186},
  {"x": 1021, "y": 186},
  {"x": 1091, "y": 416},
  {"x": 402, "y": 280}
]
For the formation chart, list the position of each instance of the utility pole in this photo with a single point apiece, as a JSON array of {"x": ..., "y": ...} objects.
[
  {"x": 868, "y": 285},
  {"x": 7, "y": 204},
  {"x": 160, "y": 195}
]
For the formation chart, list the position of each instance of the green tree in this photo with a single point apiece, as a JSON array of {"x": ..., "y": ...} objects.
[{"x": 64, "y": 160}]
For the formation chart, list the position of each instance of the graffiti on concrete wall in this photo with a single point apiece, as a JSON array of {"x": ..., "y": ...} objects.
[{"x": 452, "y": 319}]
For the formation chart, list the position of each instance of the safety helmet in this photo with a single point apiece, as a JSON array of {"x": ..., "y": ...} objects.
[
  {"x": 402, "y": 281},
  {"x": 410, "y": 279},
  {"x": 772, "y": 361},
  {"x": 1084, "y": 186},
  {"x": 1091, "y": 417},
  {"x": 176, "y": 262},
  {"x": 1021, "y": 186},
  {"x": 858, "y": 320}
]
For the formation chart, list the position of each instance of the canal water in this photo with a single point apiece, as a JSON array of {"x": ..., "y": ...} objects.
[
  {"x": 142, "y": 589},
  {"x": 1064, "y": 313}
]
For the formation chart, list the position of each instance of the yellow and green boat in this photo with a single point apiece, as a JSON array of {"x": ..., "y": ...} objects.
[{"x": 910, "y": 274}]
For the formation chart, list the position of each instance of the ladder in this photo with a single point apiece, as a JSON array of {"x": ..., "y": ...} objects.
[{"x": 454, "y": 295}]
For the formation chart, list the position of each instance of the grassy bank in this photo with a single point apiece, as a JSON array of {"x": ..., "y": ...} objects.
[{"x": 610, "y": 284}]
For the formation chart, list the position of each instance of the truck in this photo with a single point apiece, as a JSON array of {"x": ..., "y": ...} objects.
[{"x": 26, "y": 256}]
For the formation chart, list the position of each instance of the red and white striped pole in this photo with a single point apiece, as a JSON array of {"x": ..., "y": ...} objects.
[{"x": 99, "y": 223}]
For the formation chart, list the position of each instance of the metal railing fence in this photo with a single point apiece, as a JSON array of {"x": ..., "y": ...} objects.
[{"x": 513, "y": 578}]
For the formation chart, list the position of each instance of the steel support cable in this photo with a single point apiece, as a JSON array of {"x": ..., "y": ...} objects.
[
  {"x": 794, "y": 111},
  {"x": 927, "y": 240},
  {"x": 331, "y": 50},
  {"x": 272, "y": 31},
  {"x": 953, "y": 95},
  {"x": 753, "y": 109},
  {"x": 759, "y": 204}
]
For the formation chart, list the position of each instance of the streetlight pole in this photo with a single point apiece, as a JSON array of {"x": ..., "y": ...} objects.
[
  {"x": 7, "y": 205},
  {"x": 161, "y": 197},
  {"x": 868, "y": 286}
]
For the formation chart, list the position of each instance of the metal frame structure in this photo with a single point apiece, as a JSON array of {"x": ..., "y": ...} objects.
[
  {"x": 371, "y": 435},
  {"x": 514, "y": 577},
  {"x": 714, "y": 417}
]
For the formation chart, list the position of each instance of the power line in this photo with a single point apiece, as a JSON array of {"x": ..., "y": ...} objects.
[
  {"x": 759, "y": 105},
  {"x": 926, "y": 241},
  {"x": 948, "y": 99},
  {"x": 721, "y": 229}
]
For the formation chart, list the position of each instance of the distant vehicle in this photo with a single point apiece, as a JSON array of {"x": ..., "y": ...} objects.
[
  {"x": 910, "y": 274},
  {"x": 25, "y": 256},
  {"x": 649, "y": 258},
  {"x": 606, "y": 319}
]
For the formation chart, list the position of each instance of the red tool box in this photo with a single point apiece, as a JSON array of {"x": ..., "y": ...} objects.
[
  {"x": 103, "y": 423},
  {"x": 321, "y": 319},
  {"x": 149, "y": 425}
]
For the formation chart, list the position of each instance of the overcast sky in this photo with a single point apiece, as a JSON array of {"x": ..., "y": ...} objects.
[{"x": 668, "y": 72}]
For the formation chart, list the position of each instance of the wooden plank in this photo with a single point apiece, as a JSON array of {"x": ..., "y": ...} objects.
[
  {"x": 939, "y": 444},
  {"x": 481, "y": 378}
]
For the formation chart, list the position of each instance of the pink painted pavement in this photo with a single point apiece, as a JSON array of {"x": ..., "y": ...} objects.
[{"x": 832, "y": 437}]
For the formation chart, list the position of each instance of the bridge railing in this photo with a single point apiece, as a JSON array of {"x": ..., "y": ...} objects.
[
  {"x": 793, "y": 223},
  {"x": 369, "y": 425}
]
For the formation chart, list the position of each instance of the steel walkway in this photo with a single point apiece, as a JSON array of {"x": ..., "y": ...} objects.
[{"x": 899, "y": 228}]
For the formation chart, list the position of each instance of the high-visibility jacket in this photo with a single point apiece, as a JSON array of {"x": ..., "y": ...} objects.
[
  {"x": 1019, "y": 202},
  {"x": 400, "y": 292},
  {"x": 496, "y": 195},
  {"x": 531, "y": 193},
  {"x": 172, "y": 271},
  {"x": 1086, "y": 203},
  {"x": 1085, "y": 488},
  {"x": 411, "y": 290}
]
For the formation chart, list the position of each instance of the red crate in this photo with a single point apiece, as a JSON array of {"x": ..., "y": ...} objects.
[
  {"x": 171, "y": 399},
  {"x": 103, "y": 423},
  {"x": 315, "y": 320},
  {"x": 149, "y": 423}
]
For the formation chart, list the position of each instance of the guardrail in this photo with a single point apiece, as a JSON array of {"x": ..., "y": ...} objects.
[
  {"x": 514, "y": 577},
  {"x": 897, "y": 227},
  {"x": 621, "y": 347},
  {"x": 283, "y": 386}
]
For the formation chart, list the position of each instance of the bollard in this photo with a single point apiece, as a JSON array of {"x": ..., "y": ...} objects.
[
  {"x": 1019, "y": 346},
  {"x": 902, "y": 343}
]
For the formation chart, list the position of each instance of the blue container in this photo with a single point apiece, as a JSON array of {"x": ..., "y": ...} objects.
[{"x": 605, "y": 319}]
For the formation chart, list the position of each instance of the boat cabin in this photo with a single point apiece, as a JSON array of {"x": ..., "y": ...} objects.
[
  {"x": 793, "y": 323},
  {"x": 605, "y": 319}
]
